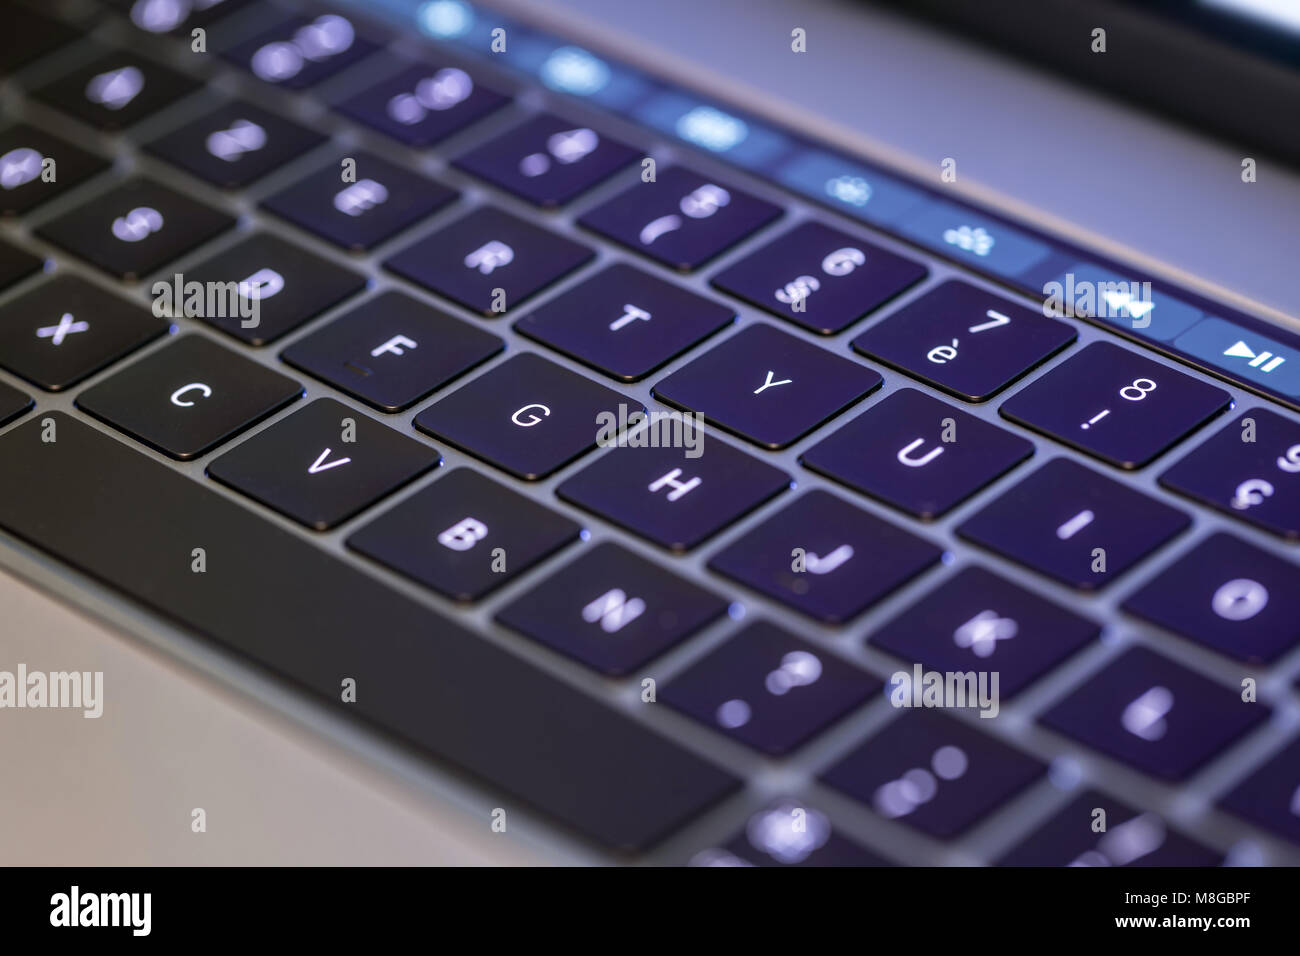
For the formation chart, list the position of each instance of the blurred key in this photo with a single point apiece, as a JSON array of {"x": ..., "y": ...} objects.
[
  {"x": 1249, "y": 470},
  {"x": 464, "y": 535},
  {"x": 547, "y": 160},
  {"x": 682, "y": 220},
  {"x": 527, "y": 416},
  {"x": 1116, "y": 404},
  {"x": 323, "y": 464},
  {"x": 1152, "y": 714},
  {"x": 788, "y": 833},
  {"x": 964, "y": 341},
  {"x": 116, "y": 89},
  {"x": 383, "y": 200},
  {"x": 188, "y": 397},
  {"x": 280, "y": 286},
  {"x": 768, "y": 689},
  {"x": 767, "y": 386},
  {"x": 487, "y": 250},
  {"x": 135, "y": 228},
  {"x": 1072, "y": 524},
  {"x": 67, "y": 328},
  {"x": 16, "y": 264},
  {"x": 36, "y": 166},
  {"x": 916, "y": 453},
  {"x": 172, "y": 16},
  {"x": 933, "y": 773},
  {"x": 976, "y": 619},
  {"x": 1130, "y": 838},
  {"x": 1228, "y": 595},
  {"x": 667, "y": 486},
  {"x": 391, "y": 351},
  {"x": 423, "y": 104},
  {"x": 12, "y": 403},
  {"x": 235, "y": 144},
  {"x": 1270, "y": 796},
  {"x": 612, "y": 610},
  {"x": 820, "y": 278},
  {"x": 826, "y": 558},
  {"x": 299, "y": 52},
  {"x": 28, "y": 36}
]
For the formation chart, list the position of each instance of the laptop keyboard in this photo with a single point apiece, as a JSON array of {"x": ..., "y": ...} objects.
[{"x": 877, "y": 452}]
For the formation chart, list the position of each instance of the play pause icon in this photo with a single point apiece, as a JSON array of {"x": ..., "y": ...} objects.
[{"x": 1264, "y": 361}]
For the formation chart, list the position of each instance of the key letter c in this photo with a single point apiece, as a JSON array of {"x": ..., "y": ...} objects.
[{"x": 193, "y": 386}]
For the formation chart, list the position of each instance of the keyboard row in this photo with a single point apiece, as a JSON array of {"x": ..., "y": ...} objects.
[{"x": 913, "y": 452}]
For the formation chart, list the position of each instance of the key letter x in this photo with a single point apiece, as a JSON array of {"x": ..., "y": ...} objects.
[{"x": 57, "y": 333}]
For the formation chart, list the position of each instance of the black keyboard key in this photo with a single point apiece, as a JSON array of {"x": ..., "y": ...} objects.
[
  {"x": 66, "y": 329},
  {"x": 768, "y": 689},
  {"x": 612, "y": 610},
  {"x": 423, "y": 104},
  {"x": 1130, "y": 838},
  {"x": 323, "y": 464},
  {"x": 527, "y": 416},
  {"x": 933, "y": 773},
  {"x": 391, "y": 351},
  {"x": 235, "y": 144},
  {"x": 625, "y": 323},
  {"x": 820, "y": 278},
  {"x": 116, "y": 90},
  {"x": 136, "y": 227},
  {"x": 547, "y": 160},
  {"x": 1116, "y": 405},
  {"x": 464, "y": 535},
  {"x": 1228, "y": 595},
  {"x": 315, "y": 620},
  {"x": 171, "y": 16},
  {"x": 964, "y": 341},
  {"x": 281, "y": 286},
  {"x": 1072, "y": 524},
  {"x": 826, "y": 558},
  {"x": 12, "y": 403},
  {"x": 16, "y": 264},
  {"x": 917, "y": 453},
  {"x": 384, "y": 200},
  {"x": 25, "y": 178},
  {"x": 788, "y": 833},
  {"x": 188, "y": 397},
  {"x": 1150, "y": 713},
  {"x": 682, "y": 219},
  {"x": 675, "y": 492},
  {"x": 299, "y": 52},
  {"x": 1270, "y": 797},
  {"x": 28, "y": 36},
  {"x": 487, "y": 250},
  {"x": 1249, "y": 470},
  {"x": 767, "y": 386},
  {"x": 976, "y": 620}
]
